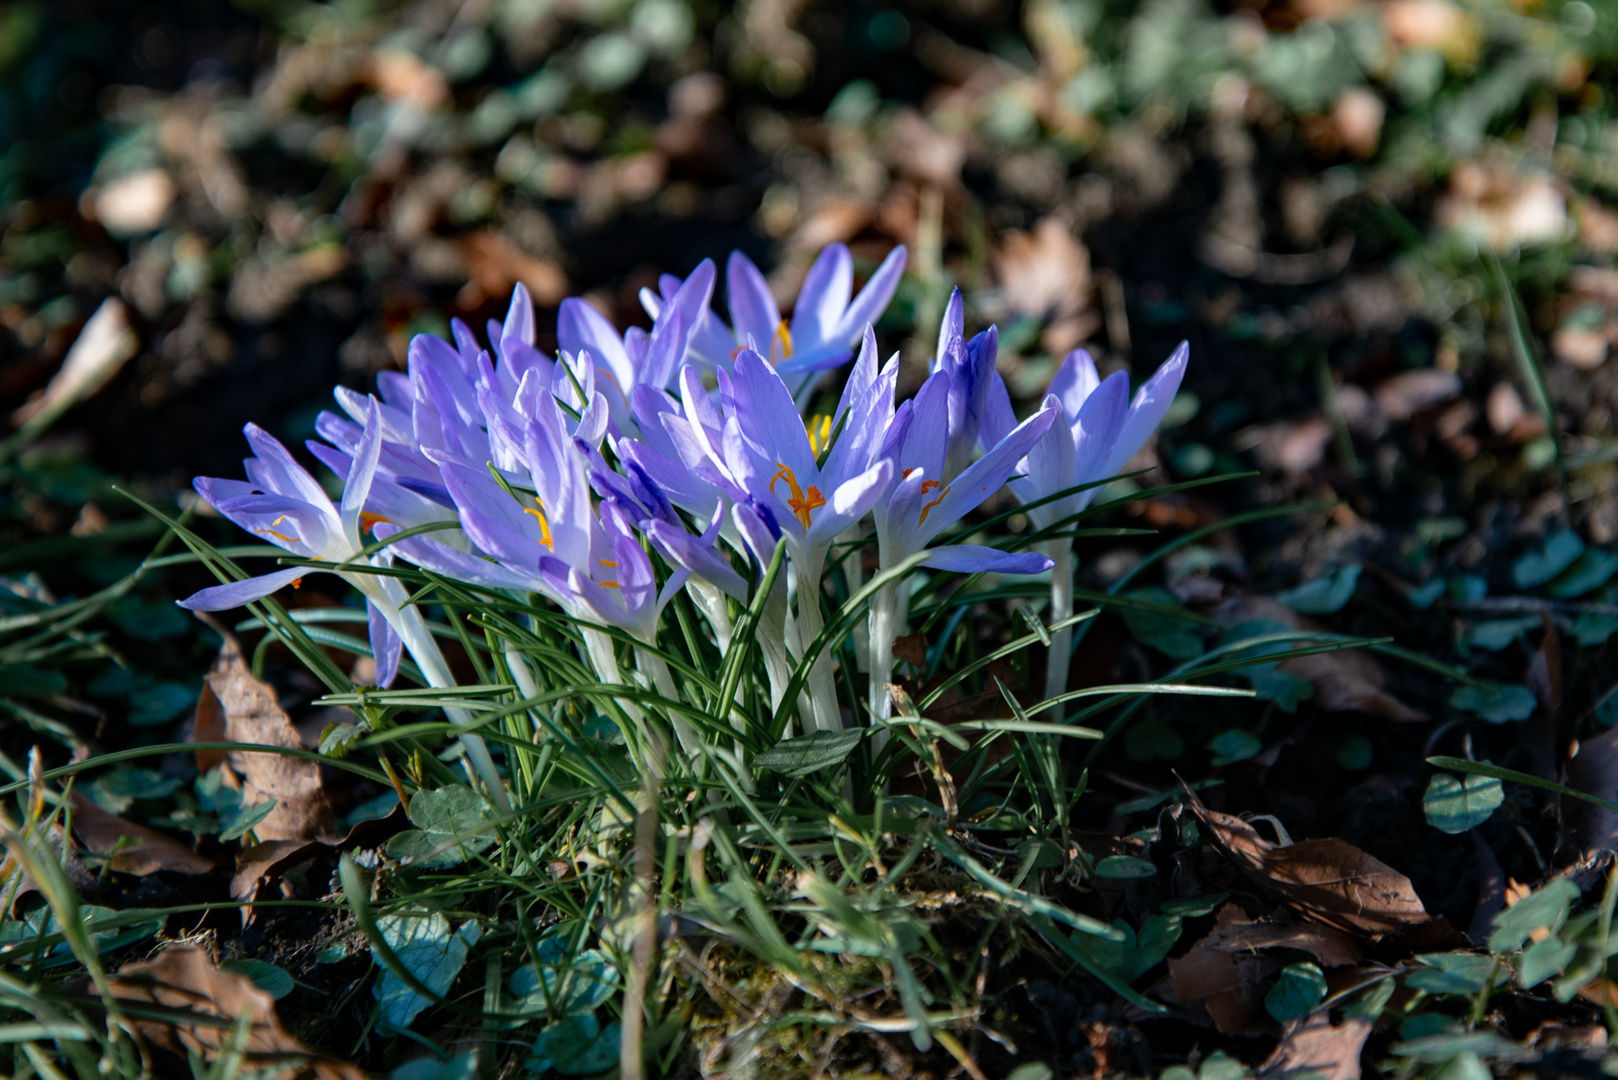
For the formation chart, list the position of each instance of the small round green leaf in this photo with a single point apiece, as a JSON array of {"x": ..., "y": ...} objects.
[
  {"x": 1124, "y": 866},
  {"x": 266, "y": 976},
  {"x": 1455, "y": 804},
  {"x": 1299, "y": 989}
]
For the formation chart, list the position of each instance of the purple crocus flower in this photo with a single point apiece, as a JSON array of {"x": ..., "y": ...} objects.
[
  {"x": 761, "y": 445},
  {"x": 1101, "y": 429},
  {"x": 970, "y": 367},
  {"x": 637, "y": 358},
  {"x": 281, "y": 502},
  {"x": 827, "y": 318},
  {"x": 926, "y": 499}
]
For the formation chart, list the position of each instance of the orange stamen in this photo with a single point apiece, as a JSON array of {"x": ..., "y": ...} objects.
[
  {"x": 781, "y": 343},
  {"x": 819, "y": 432},
  {"x": 369, "y": 521},
  {"x": 544, "y": 526},
  {"x": 297, "y": 583},
  {"x": 801, "y": 502},
  {"x": 270, "y": 528},
  {"x": 608, "y": 562},
  {"x": 925, "y": 486}
]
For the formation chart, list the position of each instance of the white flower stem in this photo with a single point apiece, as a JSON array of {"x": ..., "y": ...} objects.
[
  {"x": 652, "y": 666},
  {"x": 882, "y": 628},
  {"x": 854, "y": 575},
  {"x": 822, "y": 687},
  {"x": 1061, "y": 651},
  {"x": 418, "y": 639}
]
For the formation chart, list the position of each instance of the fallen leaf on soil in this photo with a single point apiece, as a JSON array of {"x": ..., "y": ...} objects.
[
  {"x": 1224, "y": 981},
  {"x": 261, "y": 862},
  {"x": 1046, "y": 274},
  {"x": 102, "y": 347},
  {"x": 1331, "y": 947},
  {"x": 1346, "y": 681},
  {"x": 1329, "y": 880},
  {"x": 251, "y": 715},
  {"x": 1312, "y": 1045},
  {"x": 184, "y": 978},
  {"x": 143, "y": 852},
  {"x": 496, "y": 265}
]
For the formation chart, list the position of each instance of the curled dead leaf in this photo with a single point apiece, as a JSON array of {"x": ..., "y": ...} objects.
[
  {"x": 1329, "y": 880},
  {"x": 1313, "y": 1045},
  {"x": 1224, "y": 981},
  {"x": 252, "y": 715},
  {"x": 185, "y": 978},
  {"x": 133, "y": 849}
]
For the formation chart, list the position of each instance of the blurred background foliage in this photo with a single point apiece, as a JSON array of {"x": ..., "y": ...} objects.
[{"x": 278, "y": 194}]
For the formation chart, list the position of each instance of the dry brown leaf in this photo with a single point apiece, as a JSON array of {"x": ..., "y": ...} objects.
[
  {"x": 495, "y": 265},
  {"x": 1044, "y": 273},
  {"x": 260, "y": 862},
  {"x": 1346, "y": 681},
  {"x": 1331, "y": 947},
  {"x": 1330, "y": 880},
  {"x": 101, "y": 348},
  {"x": 252, "y": 715},
  {"x": 144, "y": 851},
  {"x": 1224, "y": 982},
  {"x": 1313, "y": 1045},
  {"x": 183, "y": 977}
]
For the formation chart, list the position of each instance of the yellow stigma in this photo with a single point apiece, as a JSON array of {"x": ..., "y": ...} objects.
[
  {"x": 926, "y": 486},
  {"x": 801, "y": 502},
  {"x": 781, "y": 343},
  {"x": 819, "y": 432},
  {"x": 544, "y": 526},
  {"x": 270, "y": 528}
]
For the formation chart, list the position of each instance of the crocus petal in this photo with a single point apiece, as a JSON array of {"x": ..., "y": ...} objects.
[
  {"x": 215, "y": 490},
  {"x": 873, "y": 299},
  {"x": 700, "y": 557},
  {"x": 430, "y": 555},
  {"x": 385, "y": 645},
  {"x": 998, "y": 419},
  {"x": 951, "y": 329},
  {"x": 1096, "y": 430},
  {"x": 1146, "y": 411},
  {"x": 986, "y": 476},
  {"x": 1075, "y": 381},
  {"x": 769, "y": 418},
  {"x": 753, "y": 313},
  {"x": 358, "y": 485},
  {"x": 279, "y": 471},
  {"x": 823, "y": 297},
  {"x": 972, "y": 559},
  {"x": 581, "y": 328},
  {"x": 519, "y": 322},
  {"x": 286, "y": 522},
  {"x": 236, "y": 593}
]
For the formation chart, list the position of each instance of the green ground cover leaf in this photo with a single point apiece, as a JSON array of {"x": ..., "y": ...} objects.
[
  {"x": 1326, "y": 594},
  {"x": 430, "y": 951},
  {"x": 1456, "y": 804},
  {"x": 1508, "y": 702},
  {"x": 1170, "y": 636},
  {"x": 1297, "y": 990},
  {"x": 808, "y": 754},
  {"x": 1541, "y": 565}
]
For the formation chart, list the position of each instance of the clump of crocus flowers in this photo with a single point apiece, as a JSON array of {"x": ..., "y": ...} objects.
[{"x": 518, "y": 473}]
